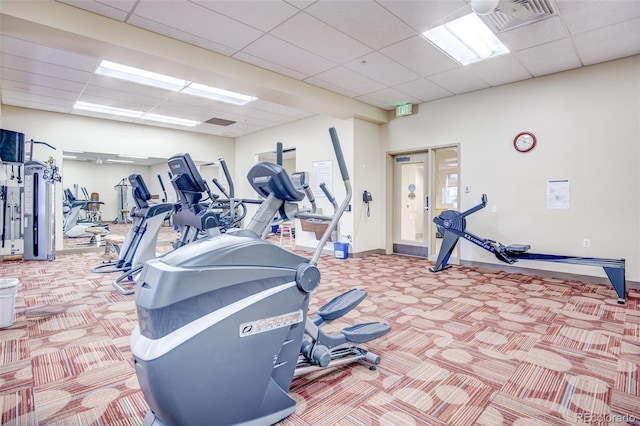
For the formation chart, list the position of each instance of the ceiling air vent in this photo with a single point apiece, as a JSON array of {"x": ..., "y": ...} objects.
[
  {"x": 510, "y": 14},
  {"x": 220, "y": 122}
]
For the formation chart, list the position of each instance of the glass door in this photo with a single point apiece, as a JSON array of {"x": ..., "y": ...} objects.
[
  {"x": 411, "y": 204},
  {"x": 446, "y": 185}
]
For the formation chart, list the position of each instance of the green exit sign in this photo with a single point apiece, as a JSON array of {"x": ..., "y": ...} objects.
[{"x": 403, "y": 110}]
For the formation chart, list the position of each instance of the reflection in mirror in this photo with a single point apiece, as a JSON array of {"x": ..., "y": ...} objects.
[{"x": 102, "y": 174}]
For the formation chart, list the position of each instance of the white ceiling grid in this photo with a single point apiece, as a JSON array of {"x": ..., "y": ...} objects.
[{"x": 364, "y": 50}]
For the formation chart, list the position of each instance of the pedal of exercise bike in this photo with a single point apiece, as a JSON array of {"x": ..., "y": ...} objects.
[
  {"x": 340, "y": 305},
  {"x": 361, "y": 333}
]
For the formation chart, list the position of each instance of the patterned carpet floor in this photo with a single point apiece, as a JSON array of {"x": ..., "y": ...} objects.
[{"x": 467, "y": 346}]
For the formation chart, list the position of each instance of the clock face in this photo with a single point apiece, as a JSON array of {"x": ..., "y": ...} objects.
[{"x": 524, "y": 142}]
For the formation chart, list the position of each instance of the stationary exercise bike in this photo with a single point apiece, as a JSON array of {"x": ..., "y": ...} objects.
[{"x": 222, "y": 322}]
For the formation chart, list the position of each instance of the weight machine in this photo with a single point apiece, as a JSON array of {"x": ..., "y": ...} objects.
[{"x": 122, "y": 188}]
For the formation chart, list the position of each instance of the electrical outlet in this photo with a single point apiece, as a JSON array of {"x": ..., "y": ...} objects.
[
  {"x": 467, "y": 189},
  {"x": 494, "y": 209},
  {"x": 586, "y": 243}
]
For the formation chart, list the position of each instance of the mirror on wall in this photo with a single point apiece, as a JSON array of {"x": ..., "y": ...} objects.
[{"x": 288, "y": 158}]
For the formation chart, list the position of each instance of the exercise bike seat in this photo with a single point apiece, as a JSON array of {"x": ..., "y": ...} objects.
[
  {"x": 518, "y": 248},
  {"x": 340, "y": 305},
  {"x": 361, "y": 333}
]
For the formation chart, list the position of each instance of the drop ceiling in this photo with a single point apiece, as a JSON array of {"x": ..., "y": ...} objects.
[{"x": 300, "y": 58}]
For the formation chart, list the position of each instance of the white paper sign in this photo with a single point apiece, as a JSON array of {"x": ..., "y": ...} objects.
[
  {"x": 558, "y": 195},
  {"x": 322, "y": 171}
]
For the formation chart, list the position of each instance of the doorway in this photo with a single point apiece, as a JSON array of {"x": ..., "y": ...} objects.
[
  {"x": 446, "y": 178},
  {"x": 411, "y": 204},
  {"x": 425, "y": 184}
]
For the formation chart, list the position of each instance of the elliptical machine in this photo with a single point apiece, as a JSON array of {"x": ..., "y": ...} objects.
[
  {"x": 141, "y": 240},
  {"x": 222, "y": 322}
]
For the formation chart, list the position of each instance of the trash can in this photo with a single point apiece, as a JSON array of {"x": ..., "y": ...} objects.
[
  {"x": 8, "y": 290},
  {"x": 341, "y": 250}
]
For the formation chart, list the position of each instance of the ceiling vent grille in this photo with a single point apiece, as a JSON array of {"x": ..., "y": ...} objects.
[
  {"x": 512, "y": 14},
  {"x": 220, "y": 122}
]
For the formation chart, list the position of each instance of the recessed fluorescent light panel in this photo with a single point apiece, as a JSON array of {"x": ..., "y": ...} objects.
[
  {"x": 214, "y": 93},
  {"x": 86, "y": 106},
  {"x": 104, "y": 109},
  {"x": 467, "y": 40},
  {"x": 170, "y": 120},
  {"x": 140, "y": 157},
  {"x": 140, "y": 76},
  {"x": 111, "y": 160},
  {"x": 69, "y": 157}
]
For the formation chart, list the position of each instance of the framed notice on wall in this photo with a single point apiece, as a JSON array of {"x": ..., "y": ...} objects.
[{"x": 322, "y": 171}]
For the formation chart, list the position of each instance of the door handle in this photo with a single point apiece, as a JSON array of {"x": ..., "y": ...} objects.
[{"x": 426, "y": 204}]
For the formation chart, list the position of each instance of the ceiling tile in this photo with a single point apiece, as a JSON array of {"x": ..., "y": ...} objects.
[
  {"x": 459, "y": 81},
  {"x": 194, "y": 19},
  {"x": 42, "y": 68},
  {"x": 49, "y": 55},
  {"x": 349, "y": 81},
  {"x": 261, "y": 14},
  {"x": 424, "y": 90},
  {"x": 118, "y": 85},
  {"x": 388, "y": 98},
  {"x": 382, "y": 69},
  {"x": 581, "y": 16},
  {"x": 49, "y": 92},
  {"x": 10, "y": 97},
  {"x": 548, "y": 58},
  {"x": 26, "y": 78},
  {"x": 268, "y": 65},
  {"x": 424, "y": 15},
  {"x": 313, "y": 35},
  {"x": 535, "y": 34},
  {"x": 281, "y": 110},
  {"x": 100, "y": 96},
  {"x": 180, "y": 35},
  {"x": 280, "y": 52},
  {"x": 380, "y": 29},
  {"x": 114, "y": 9},
  {"x": 420, "y": 56},
  {"x": 607, "y": 43},
  {"x": 501, "y": 70}
]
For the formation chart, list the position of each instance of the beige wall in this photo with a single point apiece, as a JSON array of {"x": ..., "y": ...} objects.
[{"x": 587, "y": 124}]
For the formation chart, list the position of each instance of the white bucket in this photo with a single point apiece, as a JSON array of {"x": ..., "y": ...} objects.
[{"x": 8, "y": 290}]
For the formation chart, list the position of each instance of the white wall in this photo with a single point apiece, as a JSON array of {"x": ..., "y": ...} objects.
[
  {"x": 587, "y": 123},
  {"x": 367, "y": 173},
  {"x": 77, "y": 133}
]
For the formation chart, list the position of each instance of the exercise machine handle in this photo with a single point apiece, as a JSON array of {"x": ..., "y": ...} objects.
[
  {"x": 482, "y": 205},
  {"x": 312, "y": 198},
  {"x": 227, "y": 176},
  {"x": 333, "y": 224},
  {"x": 323, "y": 186},
  {"x": 338, "y": 150},
  {"x": 220, "y": 187}
]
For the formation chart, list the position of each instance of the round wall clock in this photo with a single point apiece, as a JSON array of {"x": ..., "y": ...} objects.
[{"x": 524, "y": 142}]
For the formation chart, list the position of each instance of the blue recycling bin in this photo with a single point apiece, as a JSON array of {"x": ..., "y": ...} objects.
[{"x": 341, "y": 250}]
